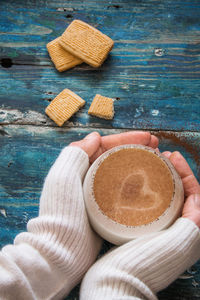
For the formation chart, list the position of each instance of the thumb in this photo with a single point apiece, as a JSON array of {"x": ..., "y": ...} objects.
[
  {"x": 89, "y": 144},
  {"x": 191, "y": 209}
]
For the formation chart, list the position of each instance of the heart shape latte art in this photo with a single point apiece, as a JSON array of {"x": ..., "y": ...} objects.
[
  {"x": 133, "y": 186},
  {"x": 136, "y": 193}
]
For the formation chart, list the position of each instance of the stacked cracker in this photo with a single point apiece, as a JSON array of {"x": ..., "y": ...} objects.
[
  {"x": 79, "y": 43},
  {"x": 62, "y": 59}
]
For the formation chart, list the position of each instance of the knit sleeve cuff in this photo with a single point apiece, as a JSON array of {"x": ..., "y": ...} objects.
[
  {"x": 144, "y": 266},
  {"x": 177, "y": 250},
  {"x": 72, "y": 159},
  {"x": 190, "y": 224}
]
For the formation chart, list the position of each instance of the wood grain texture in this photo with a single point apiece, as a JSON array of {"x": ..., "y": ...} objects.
[
  {"x": 153, "y": 70},
  {"x": 152, "y": 73},
  {"x": 156, "y": 104}
]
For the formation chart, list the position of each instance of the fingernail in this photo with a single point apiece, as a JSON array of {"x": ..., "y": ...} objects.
[
  {"x": 89, "y": 135},
  {"x": 167, "y": 154},
  {"x": 197, "y": 200}
]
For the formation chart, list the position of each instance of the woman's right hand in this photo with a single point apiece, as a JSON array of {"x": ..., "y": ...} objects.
[{"x": 191, "y": 209}]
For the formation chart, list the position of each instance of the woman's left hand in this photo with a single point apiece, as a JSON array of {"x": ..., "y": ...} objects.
[
  {"x": 191, "y": 209},
  {"x": 95, "y": 145}
]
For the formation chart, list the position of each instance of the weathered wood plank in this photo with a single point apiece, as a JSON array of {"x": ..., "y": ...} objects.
[
  {"x": 25, "y": 30},
  {"x": 152, "y": 73},
  {"x": 163, "y": 104},
  {"x": 156, "y": 89},
  {"x": 27, "y": 152}
]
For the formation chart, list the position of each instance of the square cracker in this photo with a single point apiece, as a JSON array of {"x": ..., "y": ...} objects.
[
  {"x": 86, "y": 42},
  {"x": 62, "y": 59},
  {"x": 102, "y": 107},
  {"x": 63, "y": 106}
]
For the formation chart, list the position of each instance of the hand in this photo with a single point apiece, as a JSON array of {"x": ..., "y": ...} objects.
[
  {"x": 95, "y": 145},
  {"x": 191, "y": 209}
]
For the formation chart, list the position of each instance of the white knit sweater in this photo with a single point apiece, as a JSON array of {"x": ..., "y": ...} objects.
[{"x": 52, "y": 257}]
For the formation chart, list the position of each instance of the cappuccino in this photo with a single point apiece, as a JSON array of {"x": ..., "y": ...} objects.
[{"x": 133, "y": 186}]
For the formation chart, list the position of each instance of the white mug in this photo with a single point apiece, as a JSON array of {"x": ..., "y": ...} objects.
[{"x": 118, "y": 233}]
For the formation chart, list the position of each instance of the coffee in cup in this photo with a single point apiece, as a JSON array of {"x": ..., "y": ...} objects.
[{"x": 130, "y": 191}]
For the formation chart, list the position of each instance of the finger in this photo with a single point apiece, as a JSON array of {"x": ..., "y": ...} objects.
[
  {"x": 191, "y": 209},
  {"x": 131, "y": 137},
  {"x": 153, "y": 142},
  {"x": 167, "y": 154},
  {"x": 190, "y": 183},
  {"x": 89, "y": 144}
]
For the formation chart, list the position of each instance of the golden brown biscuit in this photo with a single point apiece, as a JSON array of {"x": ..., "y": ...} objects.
[
  {"x": 86, "y": 42},
  {"x": 62, "y": 59},
  {"x": 63, "y": 106},
  {"x": 102, "y": 107}
]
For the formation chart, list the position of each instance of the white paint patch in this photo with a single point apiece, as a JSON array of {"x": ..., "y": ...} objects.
[
  {"x": 21, "y": 44},
  {"x": 7, "y": 114},
  {"x": 125, "y": 86},
  {"x": 38, "y": 30},
  {"x": 32, "y": 116},
  {"x": 155, "y": 112},
  {"x": 159, "y": 52},
  {"x": 18, "y": 117},
  {"x": 138, "y": 112},
  {"x": 195, "y": 283},
  {"x": 3, "y": 212},
  {"x": 30, "y": 30},
  {"x": 65, "y": 9}
]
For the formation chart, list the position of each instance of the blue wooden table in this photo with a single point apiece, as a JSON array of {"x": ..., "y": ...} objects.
[{"x": 152, "y": 73}]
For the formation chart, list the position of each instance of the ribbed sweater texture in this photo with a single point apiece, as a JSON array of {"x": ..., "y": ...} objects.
[
  {"x": 48, "y": 260},
  {"x": 142, "y": 267},
  {"x": 59, "y": 247}
]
